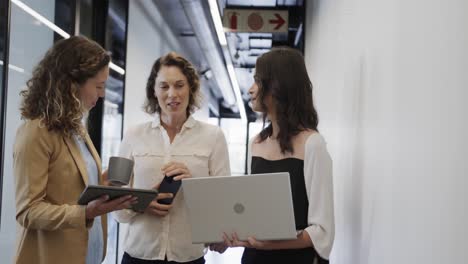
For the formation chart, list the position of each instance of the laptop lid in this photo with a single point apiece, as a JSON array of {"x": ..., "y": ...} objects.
[{"x": 258, "y": 205}]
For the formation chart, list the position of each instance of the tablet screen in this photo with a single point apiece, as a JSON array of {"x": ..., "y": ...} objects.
[{"x": 93, "y": 192}]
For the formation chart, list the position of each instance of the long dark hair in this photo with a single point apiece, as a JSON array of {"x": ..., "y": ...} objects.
[
  {"x": 52, "y": 92},
  {"x": 282, "y": 74}
]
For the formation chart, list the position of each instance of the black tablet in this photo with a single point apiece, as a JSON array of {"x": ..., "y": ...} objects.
[{"x": 92, "y": 192}]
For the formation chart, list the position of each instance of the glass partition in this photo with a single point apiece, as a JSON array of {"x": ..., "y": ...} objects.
[
  {"x": 29, "y": 39},
  {"x": 112, "y": 120},
  {"x": 4, "y": 26}
]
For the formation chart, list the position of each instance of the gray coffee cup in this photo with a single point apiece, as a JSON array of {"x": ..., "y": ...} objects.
[{"x": 120, "y": 170}]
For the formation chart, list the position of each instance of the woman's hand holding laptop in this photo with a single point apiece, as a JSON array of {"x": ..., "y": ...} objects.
[
  {"x": 218, "y": 247},
  {"x": 233, "y": 241},
  {"x": 302, "y": 241}
]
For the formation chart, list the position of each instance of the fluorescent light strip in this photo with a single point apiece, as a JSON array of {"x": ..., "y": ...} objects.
[
  {"x": 116, "y": 68},
  {"x": 13, "y": 67},
  {"x": 55, "y": 28},
  {"x": 42, "y": 19},
  {"x": 217, "y": 21},
  {"x": 223, "y": 41},
  {"x": 240, "y": 101}
]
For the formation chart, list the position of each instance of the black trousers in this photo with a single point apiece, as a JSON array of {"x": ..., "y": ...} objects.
[
  {"x": 293, "y": 256},
  {"x": 127, "y": 259}
]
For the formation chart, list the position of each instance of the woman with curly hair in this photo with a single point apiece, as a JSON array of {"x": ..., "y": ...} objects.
[
  {"x": 54, "y": 158},
  {"x": 282, "y": 91},
  {"x": 175, "y": 145}
]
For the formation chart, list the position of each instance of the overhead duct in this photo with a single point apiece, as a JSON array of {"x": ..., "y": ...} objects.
[{"x": 208, "y": 42}]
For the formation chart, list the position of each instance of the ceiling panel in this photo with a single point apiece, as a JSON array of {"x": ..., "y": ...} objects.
[
  {"x": 243, "y": 47},
  {"x": 251, "y": 3},
  {"x": 265, "y": 3}
]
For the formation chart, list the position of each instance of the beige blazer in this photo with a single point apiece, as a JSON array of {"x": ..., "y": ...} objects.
[{"x": 50, "y": 174}]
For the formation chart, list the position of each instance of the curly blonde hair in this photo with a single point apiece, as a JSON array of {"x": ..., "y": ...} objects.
[
  {"x": 151, "y": 104},
  {"x": 52, "y": 93}
]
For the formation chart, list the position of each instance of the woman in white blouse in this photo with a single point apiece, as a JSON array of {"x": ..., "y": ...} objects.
[
  {"x": 176, "y": 145},
  {"x": 282, "y": 91}
]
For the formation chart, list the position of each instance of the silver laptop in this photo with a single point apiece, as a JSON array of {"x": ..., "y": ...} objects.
[{"x": 258, "y": 205}]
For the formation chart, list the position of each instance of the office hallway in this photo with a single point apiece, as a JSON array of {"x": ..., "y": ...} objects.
[{"x": 390, "y": 87}]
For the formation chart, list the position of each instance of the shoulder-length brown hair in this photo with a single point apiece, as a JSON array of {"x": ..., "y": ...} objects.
[
  {"x": 52, "y": 93},
  {"x": 151, "y": 104},
  {"x": 282, "y": 74}
]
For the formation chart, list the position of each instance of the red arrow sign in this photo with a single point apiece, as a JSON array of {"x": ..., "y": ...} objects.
[
  {"x": 279, "y": 21},
  {"x": 255, "y": 20}
]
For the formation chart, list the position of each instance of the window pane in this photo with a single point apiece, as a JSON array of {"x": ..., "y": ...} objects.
[
  {"x": 29, "y": 40},
  {"x": 115, "y": 43},
  {"x": 235, "y": 131}
]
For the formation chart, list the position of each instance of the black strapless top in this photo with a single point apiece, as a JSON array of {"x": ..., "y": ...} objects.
[{"x": 295, "y": 167}]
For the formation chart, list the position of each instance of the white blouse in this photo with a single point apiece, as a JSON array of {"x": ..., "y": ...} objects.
[
  {"x": 203, "y": 149},
  {"x": 318, "y": 174}
]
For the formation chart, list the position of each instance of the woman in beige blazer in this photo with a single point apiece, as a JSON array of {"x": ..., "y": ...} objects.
[{"x": 54, "y": 158}]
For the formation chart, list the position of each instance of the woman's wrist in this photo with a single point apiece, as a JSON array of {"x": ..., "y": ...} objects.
[
  {"x": 305, "y": 239},
  {"x": 88, "y": 215}
]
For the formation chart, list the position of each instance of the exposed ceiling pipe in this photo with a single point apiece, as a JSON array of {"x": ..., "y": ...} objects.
[{"x": 208, "y": 42}]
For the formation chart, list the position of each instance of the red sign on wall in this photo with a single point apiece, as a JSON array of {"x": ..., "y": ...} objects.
[{"x": 255, "y": 20}]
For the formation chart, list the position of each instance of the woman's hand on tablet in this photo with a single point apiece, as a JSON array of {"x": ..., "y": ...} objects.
[
  {"x": 157, "y": 209},
  {"x": 103, "y": 205}
]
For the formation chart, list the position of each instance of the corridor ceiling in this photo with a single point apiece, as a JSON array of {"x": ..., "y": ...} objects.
[{"x": 244, "y": 47}]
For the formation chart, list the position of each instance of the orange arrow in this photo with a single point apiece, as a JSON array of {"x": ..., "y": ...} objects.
[{"x": 279, "y": 21}]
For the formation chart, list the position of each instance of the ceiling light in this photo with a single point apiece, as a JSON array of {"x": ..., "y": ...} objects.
[
  {"x": 42, "y": 19},
  {"x": 13, "y": 67},
  {"x": 55, "y": 28},
  {"x": 260, "y": 43},
  {"x": 116, "y": 68},
  {"x": 227, "y": 56},
  {"x": 298, "y": 35},
  {"x": 240, "y": 101},
  {"x": 217, "y": 21},
  {"x": 257, "y": 52}
]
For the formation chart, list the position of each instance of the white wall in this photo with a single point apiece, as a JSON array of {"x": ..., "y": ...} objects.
[
  {"x": 29, "y": 41},
  {"x": 390, "y": 84}
]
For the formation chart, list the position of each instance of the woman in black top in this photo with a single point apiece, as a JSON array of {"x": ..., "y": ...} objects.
[{"x": 290, "y": 142}]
